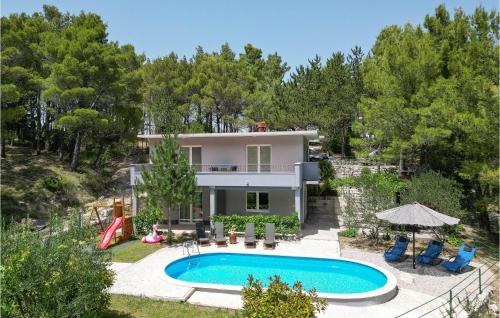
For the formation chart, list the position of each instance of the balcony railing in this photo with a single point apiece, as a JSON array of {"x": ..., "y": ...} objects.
[
  {"x": 245, "y": 175},
  {"x": 238, "y": 168}
]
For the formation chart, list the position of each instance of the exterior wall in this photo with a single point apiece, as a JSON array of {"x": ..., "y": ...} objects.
[
  {"x": 233, "y": 201},
  {"x": 281, "y": 202},
  {"x": 232, "y": 150}
]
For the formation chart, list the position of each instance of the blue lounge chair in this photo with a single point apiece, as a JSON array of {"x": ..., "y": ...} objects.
[
  {"x": 396, "y": 252},
  {"x": 462, "y": 260},
  {"x": 431, "y": 254}
]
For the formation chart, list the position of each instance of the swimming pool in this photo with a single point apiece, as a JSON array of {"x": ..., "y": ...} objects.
[{"x": 339, "y": 277}]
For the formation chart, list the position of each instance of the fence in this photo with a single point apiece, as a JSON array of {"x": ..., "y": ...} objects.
[{"x": 452, "y": 303}]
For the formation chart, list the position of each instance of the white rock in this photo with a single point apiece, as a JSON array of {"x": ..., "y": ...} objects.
[{"x": 494, "y": 308}]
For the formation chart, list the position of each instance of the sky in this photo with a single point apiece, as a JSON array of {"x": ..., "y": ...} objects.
[{"x": 297, "y": 30}]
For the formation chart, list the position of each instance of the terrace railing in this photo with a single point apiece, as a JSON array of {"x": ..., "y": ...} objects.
[
  {"x": 237, "y": 168},
  {"x": 277, "y": 174},
  {"x": 473, "y": 289},
  {"x": 243, "y": 168}
]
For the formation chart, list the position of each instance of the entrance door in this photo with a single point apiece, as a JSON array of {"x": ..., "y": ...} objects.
[
  {"x": 259, "y": 158},
  {"x": 192, "y": 212}
]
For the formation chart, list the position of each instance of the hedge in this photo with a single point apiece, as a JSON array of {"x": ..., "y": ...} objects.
[{"x": 285, "y": 224}]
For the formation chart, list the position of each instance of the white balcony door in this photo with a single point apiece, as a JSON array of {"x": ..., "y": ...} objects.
[
  {"x": 192, "y": 212},
  {"x": 194, "y": 156},
  {"x": 258, "y": 158}
]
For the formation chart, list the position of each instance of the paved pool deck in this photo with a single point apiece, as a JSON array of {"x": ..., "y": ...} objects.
[{"x": 147, "y": 278}]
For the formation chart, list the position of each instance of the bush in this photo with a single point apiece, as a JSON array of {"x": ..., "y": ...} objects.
[
  {"x": 435, "y": 191},
  {"x": 350, "y": 232},
  {"x": 285, "y": 224},
  {"x": 146, "y": 218},
  {"x": 327, "y": 172},
  {"x": 61, "y": 275},
  {"x": 53, "y": 183},
  {"x": 97, "y": 183},
  {"x": 279, "y": 300},
  {"x": 454, "y": 240}
]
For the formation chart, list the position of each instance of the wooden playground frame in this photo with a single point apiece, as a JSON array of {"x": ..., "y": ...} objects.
[{"x": 120, "y": 208}]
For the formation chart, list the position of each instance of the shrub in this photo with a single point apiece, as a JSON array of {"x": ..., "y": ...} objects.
[
  {"x": 61, "y": 275},
  {"x": 146, "y": 218},
  {"x": 53, "y": 183},
  {"x": 280, "y": 300},
  {"x": 327, "y": 172},
  {"x": 454, "y": 240},
  {"x": 285, "y": 224},
  {"x": 435, "y": 191},
  {"x": 349, "y": 232},
  {"x": 97, "y": 183}
]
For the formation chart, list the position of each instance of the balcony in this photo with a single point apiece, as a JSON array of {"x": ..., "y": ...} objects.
[{"x": 237, "y": 175}]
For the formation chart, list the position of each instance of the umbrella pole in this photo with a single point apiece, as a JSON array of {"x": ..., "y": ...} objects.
[{"x": 413, "y": 246}]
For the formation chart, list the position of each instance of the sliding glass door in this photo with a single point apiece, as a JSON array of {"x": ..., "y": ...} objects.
[
  {"x": 192, "y": 212},
  {"x": 194, "y": 156},
  {"x": 259, "y": 158}
]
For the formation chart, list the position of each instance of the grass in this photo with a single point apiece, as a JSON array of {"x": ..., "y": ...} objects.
[
  {"x": 133, "y": 251},
  {"x": 138, "y": 307}
]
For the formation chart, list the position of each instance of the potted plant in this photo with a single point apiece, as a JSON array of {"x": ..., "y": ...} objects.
[{"x": 232, "y": 235}]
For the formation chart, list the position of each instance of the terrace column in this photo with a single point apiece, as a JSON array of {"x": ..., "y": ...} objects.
[
  {"x": 135, "y": 202},
  {"x": 212, "y": 203},
  {"x": 298, "y": 204}
]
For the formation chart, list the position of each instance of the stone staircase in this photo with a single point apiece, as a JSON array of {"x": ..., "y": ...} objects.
[{"x": 322, "y": 222}]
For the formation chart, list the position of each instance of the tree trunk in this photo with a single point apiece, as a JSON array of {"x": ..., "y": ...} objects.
[
  {"x": 2, "y": 150},
  {"x": 400, "y": 166},
  {"x": 38, "y": 131},
  {"x": 76, "y": 151},
  {"x": 342, "y": 142},
  {"x": 169, "y": 234},
  {"x": 100, "y": 151},
  {"x": 60, "y": 151}
]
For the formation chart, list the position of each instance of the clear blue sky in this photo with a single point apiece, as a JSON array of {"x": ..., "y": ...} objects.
[{"x": 297, "y": 30}]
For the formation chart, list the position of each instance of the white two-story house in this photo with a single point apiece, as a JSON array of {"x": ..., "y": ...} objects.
[{"x": 244, "y": 173}]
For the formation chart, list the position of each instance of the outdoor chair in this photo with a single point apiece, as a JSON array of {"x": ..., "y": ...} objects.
[
  {"x": 220, "y": 238},
  {"x": 270, "y": 241},
  {"x": 431, "y": 255},
  {"x": 201, "y": 235},
  {"x": 250, "y": 235},
  {"x": 461, "y": 261},
  {"x": 398, "y": 250}
]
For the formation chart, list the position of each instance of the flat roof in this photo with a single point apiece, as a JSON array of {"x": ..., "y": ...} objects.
[{"x": 309, "y": 134}]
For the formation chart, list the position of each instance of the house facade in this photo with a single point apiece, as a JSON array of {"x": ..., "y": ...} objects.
[{"x": 244, "y": 173}]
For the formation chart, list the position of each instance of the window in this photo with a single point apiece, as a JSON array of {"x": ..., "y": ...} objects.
[
  {"x": 194, "y": 156},
  {"x": 259, "y": 158},
  {"x": 257, "y": 201}
]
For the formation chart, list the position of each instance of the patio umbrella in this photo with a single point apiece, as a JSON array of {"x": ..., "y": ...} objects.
[{"x": 416, "y": 214}]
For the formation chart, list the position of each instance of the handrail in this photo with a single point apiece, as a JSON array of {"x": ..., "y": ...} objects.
[
  {"x": 232, "y": 168},
  {"x": 449, "y": 302}
]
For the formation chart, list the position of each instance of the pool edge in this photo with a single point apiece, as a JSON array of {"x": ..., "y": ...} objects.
[{"x": 377, "y": 296}]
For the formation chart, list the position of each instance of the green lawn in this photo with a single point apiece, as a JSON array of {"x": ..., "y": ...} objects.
[
  {"x": 132, "y": 251},
  {"x": 139, "y": 307}
]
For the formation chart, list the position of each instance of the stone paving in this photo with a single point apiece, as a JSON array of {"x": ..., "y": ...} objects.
[{"x": 147, "y": 278}]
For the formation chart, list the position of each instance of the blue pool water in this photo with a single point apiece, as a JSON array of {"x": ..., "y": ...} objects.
[{"x": 325, "y": 275}]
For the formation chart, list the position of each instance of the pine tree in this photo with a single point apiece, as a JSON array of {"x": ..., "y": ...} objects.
[{"x": 171, "y": 181}]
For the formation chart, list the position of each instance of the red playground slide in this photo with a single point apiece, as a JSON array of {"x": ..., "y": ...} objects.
[{"x": 110, "y": 231}]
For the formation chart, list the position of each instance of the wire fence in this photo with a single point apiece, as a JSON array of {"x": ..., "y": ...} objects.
[{"x": 463, "y": 296}]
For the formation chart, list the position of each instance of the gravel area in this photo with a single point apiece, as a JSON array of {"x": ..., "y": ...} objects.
[{"x": 430, "y": 280}]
